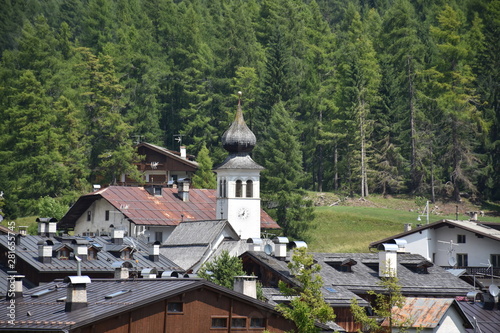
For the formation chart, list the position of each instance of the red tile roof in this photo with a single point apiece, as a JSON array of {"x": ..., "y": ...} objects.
[{"x": 143, "y": 208}]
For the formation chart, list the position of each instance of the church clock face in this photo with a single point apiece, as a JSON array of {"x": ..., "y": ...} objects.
[{"x": 243, "y": 213}]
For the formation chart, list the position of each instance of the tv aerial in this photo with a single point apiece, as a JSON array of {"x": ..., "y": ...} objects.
[
  {"x": 452, "y": 261},
  {"x": 493, "y": 288}
]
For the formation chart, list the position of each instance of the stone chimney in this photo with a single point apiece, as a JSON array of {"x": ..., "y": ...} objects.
[
  {"x": 154, "y": 251},
  {"x": 246, "y": 285},
  {"x": 14, "y": 286},
  {"x": 473, "y": 216},
  {"x": 47, "y": 226},
  {"x": 80, "y": 248},
  {"x": 76, "y": 297},
  {"x": 183, "y": 151},
  {"x": 117, "y": 236},
  {"x": 388, "y": 260},
  {"x": 45, "y": 251},
  {"x": 408, "y": 227},
  {"x": 149, "y": 273},
  {"x": 184, "y": 189},
  {"x": 280, "y": 247},
  {"x": 121, "y": 269}
]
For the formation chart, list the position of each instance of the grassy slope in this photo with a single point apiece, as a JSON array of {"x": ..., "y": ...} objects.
[{"x": 352, "y": 227}]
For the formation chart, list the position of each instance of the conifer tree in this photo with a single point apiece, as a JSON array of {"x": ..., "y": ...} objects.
[
  {"x": 453, "y": 86},
  {"x": 359, "y": 79},
  {"x": 204, "y": 177}
]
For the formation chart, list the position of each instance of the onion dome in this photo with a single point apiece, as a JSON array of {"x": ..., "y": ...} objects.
[{"x": 239, "y": 138}]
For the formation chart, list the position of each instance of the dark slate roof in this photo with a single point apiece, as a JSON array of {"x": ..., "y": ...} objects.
[
  {"x": 488, "y": 230},
  {"x": 438, "y": 282},
  {"x": 48, "y": 313},
  {"x": 170, "y": 153},
  {"x": 197, "y": 233},
  {"x": 192, "y": 242},
  {"x": 28, "y": 252},
  {"x": 485, "y": 317},
  {"x": 239, "y": 161},
  {"x": 143, "y": 208}
]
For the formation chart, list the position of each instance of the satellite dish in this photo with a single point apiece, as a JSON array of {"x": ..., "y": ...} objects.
[
  {"x": 494, "y": 291},
  {"x": 452, "y": 261},
  {"x": 268, "y": 249}
]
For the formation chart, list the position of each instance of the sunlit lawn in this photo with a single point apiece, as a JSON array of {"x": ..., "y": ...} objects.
[{"x": 352, "y": 229}]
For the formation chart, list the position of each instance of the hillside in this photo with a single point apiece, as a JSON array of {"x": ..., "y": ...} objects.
[{"x": 350, "y": 224}]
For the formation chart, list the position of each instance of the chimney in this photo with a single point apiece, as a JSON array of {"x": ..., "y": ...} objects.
[
  {"x": 76, "y": 297},
  {"x": 80, "y": 248},
  {"x": 401, "y": 243},
  {"x": 408, "y": 227},
  {"x": 183, "y": 151},
  {"x": 154, "y": 252},
  {"x": 121, "y": 269},
  {"x": 255, "y": 244},
  {"x": 280, "y": 247},
  {"x": 18, "y": 239},
  {"x": 45, "y": 251},
  {"x": 246, "y": 285},
  {"x": 184, "y": 189},
  {"x": 47, "y": 226},
  {"x": 14, "y": 286},
  {"x": 473, "y": 216},
  {"x": 117, "y": 236},
  {"x": 388, "y": 260},
  {"x": 149, "y": 273}
]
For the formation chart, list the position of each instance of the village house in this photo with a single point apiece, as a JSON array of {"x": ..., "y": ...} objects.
[
  {"x": 348, "y": 276},
  {"x": 470, "y": 248},
  {"x": 161, "y": 166},
  {"x": 80, "y": 304},
  {"x": 46, "y": 257}
]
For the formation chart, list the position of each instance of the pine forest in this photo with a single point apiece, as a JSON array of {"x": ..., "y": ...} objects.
[{"x": 349, "y": 96}]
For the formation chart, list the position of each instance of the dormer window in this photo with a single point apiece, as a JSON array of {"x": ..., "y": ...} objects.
[
  {"x": 63, "y": 254},
  {"x": 92, "y": 254},
  {"x": 126, "y": 254},
  {"x": 239, "y": 189},
  {"x": 249, "y": 191}
]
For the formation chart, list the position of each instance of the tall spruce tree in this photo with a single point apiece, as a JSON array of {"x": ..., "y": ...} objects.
[
  {"x": 453, "y": 83},
  {"x": 204, "y": 177}
]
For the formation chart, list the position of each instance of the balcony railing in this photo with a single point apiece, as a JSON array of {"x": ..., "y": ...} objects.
[{"x": 481, "y": 271}]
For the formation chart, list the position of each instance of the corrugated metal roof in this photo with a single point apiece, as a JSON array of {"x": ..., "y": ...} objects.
[
  {"x": 485, "y": 318},
  {"x": 45, "y": 312},
  {"x": 143, "y": 208},
  {"x": 28, "y": 252}
]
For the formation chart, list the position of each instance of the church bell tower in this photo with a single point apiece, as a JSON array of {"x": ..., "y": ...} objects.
[{"x": 238, "y": 180}]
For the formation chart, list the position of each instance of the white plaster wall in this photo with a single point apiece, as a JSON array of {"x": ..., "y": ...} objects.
[
  {"x": 478, "y": 249},
  {"x": 98, "y": 223},
  {"x": 451, "y": 322},
  {"x": 230, "y": 206},
  {"x": 419, "y": 243},
  {"x": 165, "y": 230}
]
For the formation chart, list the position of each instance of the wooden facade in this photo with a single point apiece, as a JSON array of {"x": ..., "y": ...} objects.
[
  {"x": 160, "y": 165},
  {"x": 199, "y": 310}
]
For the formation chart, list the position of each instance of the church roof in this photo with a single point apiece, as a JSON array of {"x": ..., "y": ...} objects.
[
  {"x": 167, "y": 209},
  {"x": 239, "y": 161},
  {"x": 238, "y": 138}
]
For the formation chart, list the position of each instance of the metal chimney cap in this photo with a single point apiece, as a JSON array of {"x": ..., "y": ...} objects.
[
  {"x": 281, "y": 240},
  {"x": 388, "y": 247},
  {"x": 77, "y": 279},
  {"x": 254, "y": 240}
]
